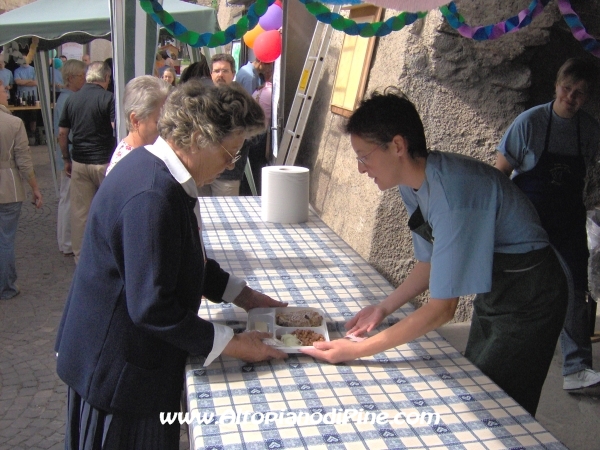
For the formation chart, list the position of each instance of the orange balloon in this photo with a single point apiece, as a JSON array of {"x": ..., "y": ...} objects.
[{"x": 251, "y": 35}]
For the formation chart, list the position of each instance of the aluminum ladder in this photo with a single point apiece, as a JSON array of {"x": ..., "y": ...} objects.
[{"x": 307, "y": 87}]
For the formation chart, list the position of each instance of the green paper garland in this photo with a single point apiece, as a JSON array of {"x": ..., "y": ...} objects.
[
  {"x": 181, "y": 33},
  {"x": 349, "y": 26}
]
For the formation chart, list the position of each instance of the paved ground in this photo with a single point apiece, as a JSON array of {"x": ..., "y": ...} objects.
[
  {"x": 33, "y": 399},
  {"x": 572, "y": 418}
]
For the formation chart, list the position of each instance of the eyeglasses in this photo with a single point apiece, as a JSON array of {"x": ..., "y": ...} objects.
[
  {"x": 234, "y": 158},
  {"x": 224, "y": 71},
  {"x": 363, "y": 159}
]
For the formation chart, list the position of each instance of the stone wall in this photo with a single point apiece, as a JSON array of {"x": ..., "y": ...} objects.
[
  {"x": 7, "y": 5},
  {"x": 467, "y": 92}
]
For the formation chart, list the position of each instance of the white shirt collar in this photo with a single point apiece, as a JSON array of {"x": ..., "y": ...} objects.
[{"x": 162, "y": 150}]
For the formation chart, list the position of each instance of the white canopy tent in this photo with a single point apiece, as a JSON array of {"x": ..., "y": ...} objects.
[{"x": 133, "y": 32}]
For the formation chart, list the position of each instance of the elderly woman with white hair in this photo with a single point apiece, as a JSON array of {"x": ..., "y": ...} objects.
[
  {"x": 144, "y": 96},
  {"x": 131, "y": 317}
]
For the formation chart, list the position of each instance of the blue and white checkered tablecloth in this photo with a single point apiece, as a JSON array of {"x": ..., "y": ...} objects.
[{"x": 390, "y": 400}]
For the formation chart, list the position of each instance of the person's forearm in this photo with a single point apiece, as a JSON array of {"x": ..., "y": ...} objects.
[
  {"x": 416, "y": 283},
  {"x": 425, "y": 319},
  {"x": 33, "y": 184},
  {"x": 502, "y": 164},
  {"x": 63, "y": 142}
]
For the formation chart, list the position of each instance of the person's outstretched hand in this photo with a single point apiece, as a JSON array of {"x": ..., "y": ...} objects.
[
  {"x": 366, "y": 320},
  {"x": 248, "y": 346},
  {"x": 334, "y": 352},
  {"x": 249, "y": 299}
]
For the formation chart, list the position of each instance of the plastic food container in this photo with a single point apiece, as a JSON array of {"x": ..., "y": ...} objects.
[{"x": 263, "y": 319}]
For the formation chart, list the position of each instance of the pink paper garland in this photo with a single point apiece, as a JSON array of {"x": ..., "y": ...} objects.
[
  {"x": 589, "y": 42},
  {"x": 488, "y": 32}
]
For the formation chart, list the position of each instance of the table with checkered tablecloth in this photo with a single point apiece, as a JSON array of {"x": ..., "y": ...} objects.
[{"x": 424, "y": 394}]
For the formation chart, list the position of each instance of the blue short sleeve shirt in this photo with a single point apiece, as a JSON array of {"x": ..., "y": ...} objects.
[
  {"x": 25, "y": 73},
  {"x": 524, "y": 141},
  {"x": 474, "y": 211},
  {"x": 7, "y": 77}
]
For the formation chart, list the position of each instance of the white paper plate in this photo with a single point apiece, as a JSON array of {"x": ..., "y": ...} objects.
[{"x": 261, "y": 318}]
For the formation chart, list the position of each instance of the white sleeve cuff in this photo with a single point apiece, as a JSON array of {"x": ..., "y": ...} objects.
[
  {"x": 223, "y": 335},
  {"x": 233, "y": 289}
]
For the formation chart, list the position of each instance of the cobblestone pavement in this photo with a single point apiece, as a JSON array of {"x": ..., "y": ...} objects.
[{"x": 32, "y": 397}]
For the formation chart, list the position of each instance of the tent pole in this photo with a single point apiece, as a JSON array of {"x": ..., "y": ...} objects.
[
  {"x": 117, "y": 27},
  {"x": 130, "y": 24},
  {"x": 41, "y": 72},
  {"x": 194, "y": 54}
]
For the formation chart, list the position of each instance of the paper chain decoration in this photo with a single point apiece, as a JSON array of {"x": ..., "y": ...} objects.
[
  {"x": 579, "y": 32},
  {"x": 348, "y": 26},
  {"x": 236, "y": 31},
  {"x": 488, "y": 32}
]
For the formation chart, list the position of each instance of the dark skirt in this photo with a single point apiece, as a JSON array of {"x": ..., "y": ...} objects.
[
  {"x": 91, "y": 429},
  {"x": 516, "y": 326}
]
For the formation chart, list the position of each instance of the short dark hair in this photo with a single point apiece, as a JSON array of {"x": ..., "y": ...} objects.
[
  {"x": 578, "y": 69},
  {"x": 384, "y": 115},
  {"x": 198, "y": 69},
  {"x": 223, "y": 57}
]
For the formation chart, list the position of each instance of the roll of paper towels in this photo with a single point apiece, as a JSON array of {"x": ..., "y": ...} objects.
[{"x": 285, "y": 194}]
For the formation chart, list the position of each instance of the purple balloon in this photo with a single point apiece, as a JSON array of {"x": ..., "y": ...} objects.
[{"x": 272, "y": 19}]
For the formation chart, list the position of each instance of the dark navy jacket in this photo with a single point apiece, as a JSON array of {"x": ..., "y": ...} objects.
[{"x": 131, "y": 318}]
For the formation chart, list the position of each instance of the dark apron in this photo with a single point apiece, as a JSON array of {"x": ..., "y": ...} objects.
[
  {"x": 417, "y": 225},
  {"x": 515, "y": 326},
  {"x": 555, "y": 187}
]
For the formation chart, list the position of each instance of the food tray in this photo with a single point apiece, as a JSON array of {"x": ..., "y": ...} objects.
[{"x": 267, "y": 316}]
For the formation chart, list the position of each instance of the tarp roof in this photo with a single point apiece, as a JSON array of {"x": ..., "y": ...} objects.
[{"x": 56, "y": 22}]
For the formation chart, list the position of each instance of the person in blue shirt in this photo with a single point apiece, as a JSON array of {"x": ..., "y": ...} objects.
[
  {"x": 55, "y": 76},
  {"x": 249, "y": 76},
  {"x": 25, "y": 79},
  {"x": 6, "y": 76},
  {"x": 27, "y": 86},
  {"x": 548, "y": 149},
  {"x": 474, "y": 232}
]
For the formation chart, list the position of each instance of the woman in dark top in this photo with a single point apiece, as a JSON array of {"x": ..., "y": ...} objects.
[{"x": 131, "y": 317}]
